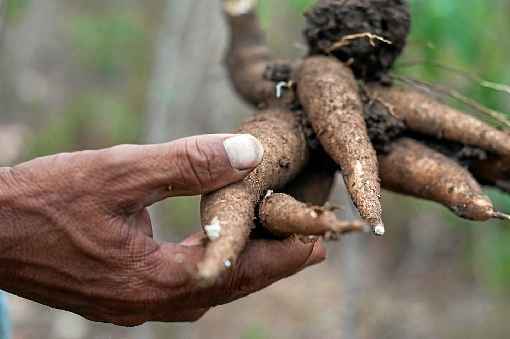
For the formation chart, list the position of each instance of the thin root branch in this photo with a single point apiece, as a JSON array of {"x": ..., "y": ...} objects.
[
  {"x": 499, "y": 117},
  {"x": 500, "y": 215},
  {"x": 496, "y": 86},
  {"x": 347, "y": 40}
]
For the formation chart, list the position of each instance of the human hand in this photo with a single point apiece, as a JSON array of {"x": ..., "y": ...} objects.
[{"x": 76, "y": 235}]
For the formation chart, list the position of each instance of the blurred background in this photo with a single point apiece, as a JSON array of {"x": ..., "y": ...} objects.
[{"x": 89, "y": 74}]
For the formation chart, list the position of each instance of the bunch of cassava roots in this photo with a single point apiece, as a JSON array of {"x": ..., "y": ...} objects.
[{"x": 339, "y": 109}]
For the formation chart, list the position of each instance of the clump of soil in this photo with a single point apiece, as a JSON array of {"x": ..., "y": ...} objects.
[
  {"x": 382, "y": 127},
  {"x": 277, "y": 72},
  {"x": 367, "y": 34}
]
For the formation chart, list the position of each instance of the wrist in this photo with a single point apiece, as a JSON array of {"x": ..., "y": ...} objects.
[{"x": 8, "y": 222}]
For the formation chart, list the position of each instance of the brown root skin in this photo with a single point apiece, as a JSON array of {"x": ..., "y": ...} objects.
[
  {"x": 424, "y": 114},
  {"x": 233, "y": 207},
  {"x": 253, "y": 73},
  {"x": 282, "y": 215},
  {"x": 329, "y": 94},
  {"x": 414, "y": 169}
]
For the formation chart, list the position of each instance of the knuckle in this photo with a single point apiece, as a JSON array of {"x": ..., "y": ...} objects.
[
  {"x": 197, "y": 164},
  {"x": 240, "y": 283}
]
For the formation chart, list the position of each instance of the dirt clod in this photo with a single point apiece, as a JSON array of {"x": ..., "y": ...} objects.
[
  {"x": 369, "y": 34},
  {"x": 278, "y": 71}
]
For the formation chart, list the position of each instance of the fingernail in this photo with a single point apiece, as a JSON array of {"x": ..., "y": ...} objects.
[
  {"x": 317, "y": 255},
  {"x": 244, "y": 151}
]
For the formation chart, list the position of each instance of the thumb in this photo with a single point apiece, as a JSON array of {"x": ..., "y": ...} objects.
[
  {"x": 205, "y": 163},
  {"x": 188, "y": 166}
]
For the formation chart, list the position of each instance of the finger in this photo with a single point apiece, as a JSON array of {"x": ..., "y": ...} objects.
[
  {"x": 196, "y": 239},
  {"x": 137, "y": 320},
  {"x": 262, "y": 263},
  {"x": 188, "y": 166}
]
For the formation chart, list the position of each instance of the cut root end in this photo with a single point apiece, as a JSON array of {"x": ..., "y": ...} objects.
[{"x": 347, "y": 39}]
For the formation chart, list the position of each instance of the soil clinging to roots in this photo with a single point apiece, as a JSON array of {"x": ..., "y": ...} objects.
[{"x": 367, "y": 34}]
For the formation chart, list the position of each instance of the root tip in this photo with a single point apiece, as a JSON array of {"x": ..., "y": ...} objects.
[
  {"x": 500, "y": 215},
  {"x": 379, "y": 230}
]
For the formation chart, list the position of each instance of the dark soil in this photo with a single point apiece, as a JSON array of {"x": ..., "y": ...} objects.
[
  {"x": 278, "y": 72},
  {"x": 331, "y": 20},
  {"x": 382, "y": 127}
]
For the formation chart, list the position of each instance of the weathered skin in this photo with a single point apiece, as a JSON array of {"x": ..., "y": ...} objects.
[
  {"x": 414, "y": 169},
  {"x": 286, "y": 154},
  {"x": 283, "y": 216},
  {"x": 422, "y": 113},
  {"x": 329, "y": 94}
]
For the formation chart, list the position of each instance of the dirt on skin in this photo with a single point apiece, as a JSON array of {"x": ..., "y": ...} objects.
[
  {"x": 233, "y": 207},
  {"x": 414, "y": 169},
  {"x": 333, "y": 23}
]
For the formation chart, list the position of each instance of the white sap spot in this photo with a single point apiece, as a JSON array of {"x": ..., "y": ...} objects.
[
  {"x": 213, "y": 230},
  {"x": 228, "y": 263},
  {"x": 268, "y": 194},
  {"x": 358, "y": 168},
  {"x": 379, "y": 230}
]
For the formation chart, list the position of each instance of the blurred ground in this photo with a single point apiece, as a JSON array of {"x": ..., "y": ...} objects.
[{"x": 94, "y": 73}]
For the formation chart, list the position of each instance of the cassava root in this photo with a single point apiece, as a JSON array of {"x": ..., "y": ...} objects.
[
  {"x": 414, "y": 169},
  {"x": 252, "y": 70},
  {"x": 329, "y": 95},
  {"x": 282, "y": 215},
  {"x": 233, "y": 208},
  {"x": 423, "y": 114},
  {"x": 349, "y": 123}
]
